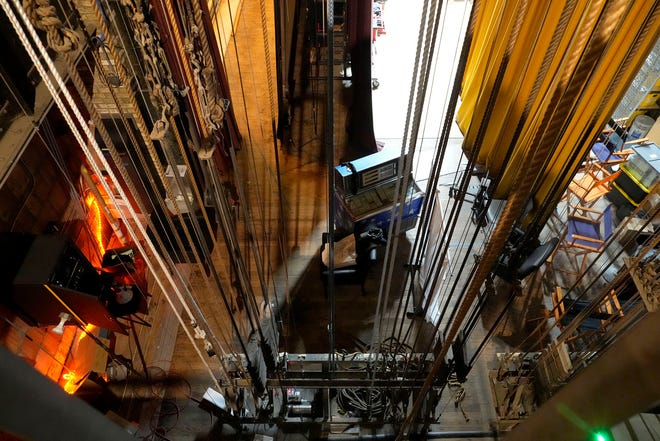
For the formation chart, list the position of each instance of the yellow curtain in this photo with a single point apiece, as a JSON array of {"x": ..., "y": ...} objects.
[{"x": 564, "y": 73}]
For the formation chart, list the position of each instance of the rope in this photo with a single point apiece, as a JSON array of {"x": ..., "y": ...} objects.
[
  {"x": 271, "y": 100},
  {"x": 149, "y": 144},
  {"x": 269, "y": 70},
  {"x": 511, "y": 211},
  {"x": 119, "y": 163},
  {"x": 442, "y": 251},
  {"x": 88, "y": 153},
  {"x": 43, "y": 16},
  {"x": 402, "y": 184},
  {"x": 420, "y": 243}
]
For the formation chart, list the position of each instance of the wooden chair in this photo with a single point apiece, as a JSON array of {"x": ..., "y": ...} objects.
[
  {"x": 594, "y": 182},
  {"x": 608, "y": 157},
  {"x": 587, "y": 231},
  {"x": 565, "y": 310},
  {"x": 558, "y": 307},
  {"x": 610, "y": 149}
]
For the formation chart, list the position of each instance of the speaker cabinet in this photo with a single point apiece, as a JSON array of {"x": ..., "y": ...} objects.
[{"x": 53, "y": 277}]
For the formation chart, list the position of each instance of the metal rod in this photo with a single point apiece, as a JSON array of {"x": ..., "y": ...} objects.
[
  {"x": 139, "y": 349},
  {"x": 330, "y": 159}
]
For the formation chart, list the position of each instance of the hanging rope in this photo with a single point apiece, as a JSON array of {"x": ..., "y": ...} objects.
[
  {"x": 511, "y": 212},
  {"x": 443, "y": 250},
  {"x": 401, "y": 191},
  {"x": 44, "y": 17},
  {"x": 269, "y": 69},
  {"x": 88, "y": 153}
]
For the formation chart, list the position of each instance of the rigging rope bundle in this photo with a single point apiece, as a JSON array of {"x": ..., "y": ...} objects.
[
  {"x": 44, "y": 17},
  {"x": 161, "y": 83},
  {"x": 196, "y": 47}
]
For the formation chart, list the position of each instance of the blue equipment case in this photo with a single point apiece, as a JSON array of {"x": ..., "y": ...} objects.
[
  {"x": 374, "y": 208},
  {"x": 367, "y": 172}
]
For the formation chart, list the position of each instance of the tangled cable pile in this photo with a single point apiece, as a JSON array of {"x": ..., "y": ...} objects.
[{"x": 363, "y": 402}]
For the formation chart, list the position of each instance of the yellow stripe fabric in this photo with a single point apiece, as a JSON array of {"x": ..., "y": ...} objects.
[{"x": 600, "y": 48}]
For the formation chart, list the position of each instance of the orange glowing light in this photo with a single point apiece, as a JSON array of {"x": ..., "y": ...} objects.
[
  {"x": 88, "y": 328},
  {"x": 72, "y": 382},
  {"x": 93, "y": 205}
]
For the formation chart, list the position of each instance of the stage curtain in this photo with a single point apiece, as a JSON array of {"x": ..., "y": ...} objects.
[{"x": 556, "y": 80}]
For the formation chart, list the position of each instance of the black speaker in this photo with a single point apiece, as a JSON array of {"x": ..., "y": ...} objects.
[{"x": 54, "y": 277}]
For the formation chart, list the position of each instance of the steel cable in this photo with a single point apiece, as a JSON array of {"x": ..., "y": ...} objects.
[
  {"x": 401, "y": 187},
  {"x": 145, "y": 167},
  {"x": 79, "y": 138},
  {"x": 511, "y": 211}
]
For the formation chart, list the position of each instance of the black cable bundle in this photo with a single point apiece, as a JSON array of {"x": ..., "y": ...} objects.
[{"x": 363, "y": 402}]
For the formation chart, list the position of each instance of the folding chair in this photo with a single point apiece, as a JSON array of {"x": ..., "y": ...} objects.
[
  {"x": 587, "y": 231},
  {"x": 593, "y": 183}
]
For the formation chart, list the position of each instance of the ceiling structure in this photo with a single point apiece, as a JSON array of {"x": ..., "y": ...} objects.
[{"x": 197, "y": 141}]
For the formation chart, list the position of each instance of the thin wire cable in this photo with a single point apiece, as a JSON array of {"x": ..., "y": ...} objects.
[
  {"x": 496, "y": 242},
  {"x": 160, "y": 203},
  {"x": 442, "y": 144},
  {"x": 164, "y": 209},
  {"x": 258, "y": 187},
  {"x": 93, "y": 158},
  {"x": 388, "y": 259},
  {"x": 434, "y": 28}
]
